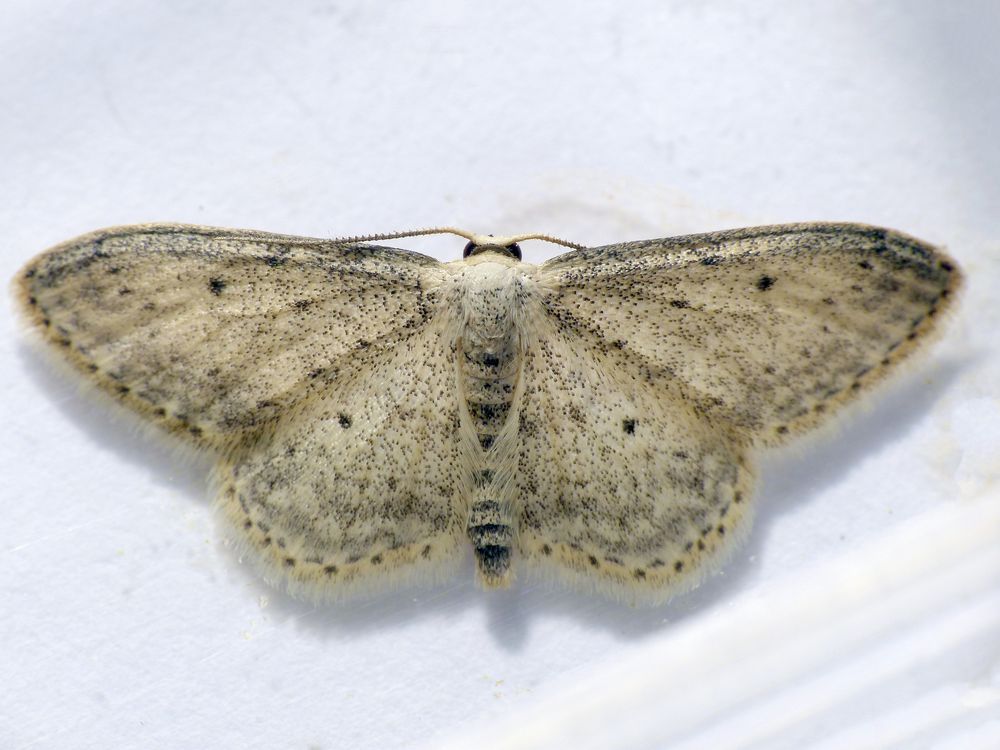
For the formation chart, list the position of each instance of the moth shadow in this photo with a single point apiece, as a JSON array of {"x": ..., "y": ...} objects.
[
  {"x": 106, "y": 423},
  {"x": 511, "y": 616},
  {"x": 807, "y": 467}
]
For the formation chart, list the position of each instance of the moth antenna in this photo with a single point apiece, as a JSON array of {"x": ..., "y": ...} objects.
[{"x": 477, "y": 239}]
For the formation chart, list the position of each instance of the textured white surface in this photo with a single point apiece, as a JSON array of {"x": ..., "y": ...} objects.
[{"x": 126, "y": 624}]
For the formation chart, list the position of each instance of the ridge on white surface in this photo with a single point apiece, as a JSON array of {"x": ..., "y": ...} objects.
[{"x": 804, "y": 668}]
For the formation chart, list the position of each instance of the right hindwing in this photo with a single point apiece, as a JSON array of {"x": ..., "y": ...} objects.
[{"x": 623, "y": 486}]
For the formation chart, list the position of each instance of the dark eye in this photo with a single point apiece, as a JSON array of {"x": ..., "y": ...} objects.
[{"x": 513, "y": 250}]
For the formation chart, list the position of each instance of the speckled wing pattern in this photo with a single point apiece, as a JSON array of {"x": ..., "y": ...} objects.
[
  {"x": 666, "y": 363},
  {"x": 214, "y": 333},
  {"x": 309, "y": 367},
  {"x": 363, "y": 483},
  {"x": 373, "y": 411}
]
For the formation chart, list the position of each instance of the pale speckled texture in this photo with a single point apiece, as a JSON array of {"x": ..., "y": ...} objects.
[
  {"x": 128, "y": 623},
  {"x": 592, "y": 418}
]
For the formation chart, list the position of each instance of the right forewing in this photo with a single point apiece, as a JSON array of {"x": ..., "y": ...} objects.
[{"x": 770, "y": 329}]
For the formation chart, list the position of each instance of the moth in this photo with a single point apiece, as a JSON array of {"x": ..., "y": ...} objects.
[{"x": 374, "y": 413}]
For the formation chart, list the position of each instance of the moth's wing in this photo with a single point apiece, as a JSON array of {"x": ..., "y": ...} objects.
[
  {"x": 658, "y": 366},
  {"x": 624, "y": 486},
  {"x": 214, "y": 333},
  {"x": 317, "y": 368},
  {"x": 769, "y": 328},
  {"x": 360, "y": 485}
]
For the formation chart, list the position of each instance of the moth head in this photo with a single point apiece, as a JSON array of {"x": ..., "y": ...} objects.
[{"x": 487, "y": 244}]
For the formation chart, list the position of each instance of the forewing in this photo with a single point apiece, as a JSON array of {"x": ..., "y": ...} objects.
[
  {"x": 215, "y": 332},
  {"x": 768, "y": 328},
  {"x": 624, "y": 486},
  {"x": 361, "y": 484}
]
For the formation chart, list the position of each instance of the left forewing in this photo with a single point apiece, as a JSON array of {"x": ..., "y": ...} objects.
[{"x": 213, "y": 333}]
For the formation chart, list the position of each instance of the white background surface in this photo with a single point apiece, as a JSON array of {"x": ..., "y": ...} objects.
[{"x": 126, "y": 623}]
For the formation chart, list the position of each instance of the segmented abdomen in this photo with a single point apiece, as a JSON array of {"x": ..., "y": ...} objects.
[{"x": 489, "y": 369}]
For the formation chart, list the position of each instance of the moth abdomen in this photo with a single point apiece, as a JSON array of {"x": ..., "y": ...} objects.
[{"x": 492, "y": 537}]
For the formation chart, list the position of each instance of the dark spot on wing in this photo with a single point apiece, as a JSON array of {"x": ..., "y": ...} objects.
[
  {"x": 765, "y": 282},
  {"x": 215, "y": 286}
]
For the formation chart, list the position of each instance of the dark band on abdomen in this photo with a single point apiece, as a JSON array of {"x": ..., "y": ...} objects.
[{"x": 491, "y": 537}]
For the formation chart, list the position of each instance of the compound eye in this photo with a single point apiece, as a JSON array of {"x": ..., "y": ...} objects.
[{"x": 513, "y": 249}]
